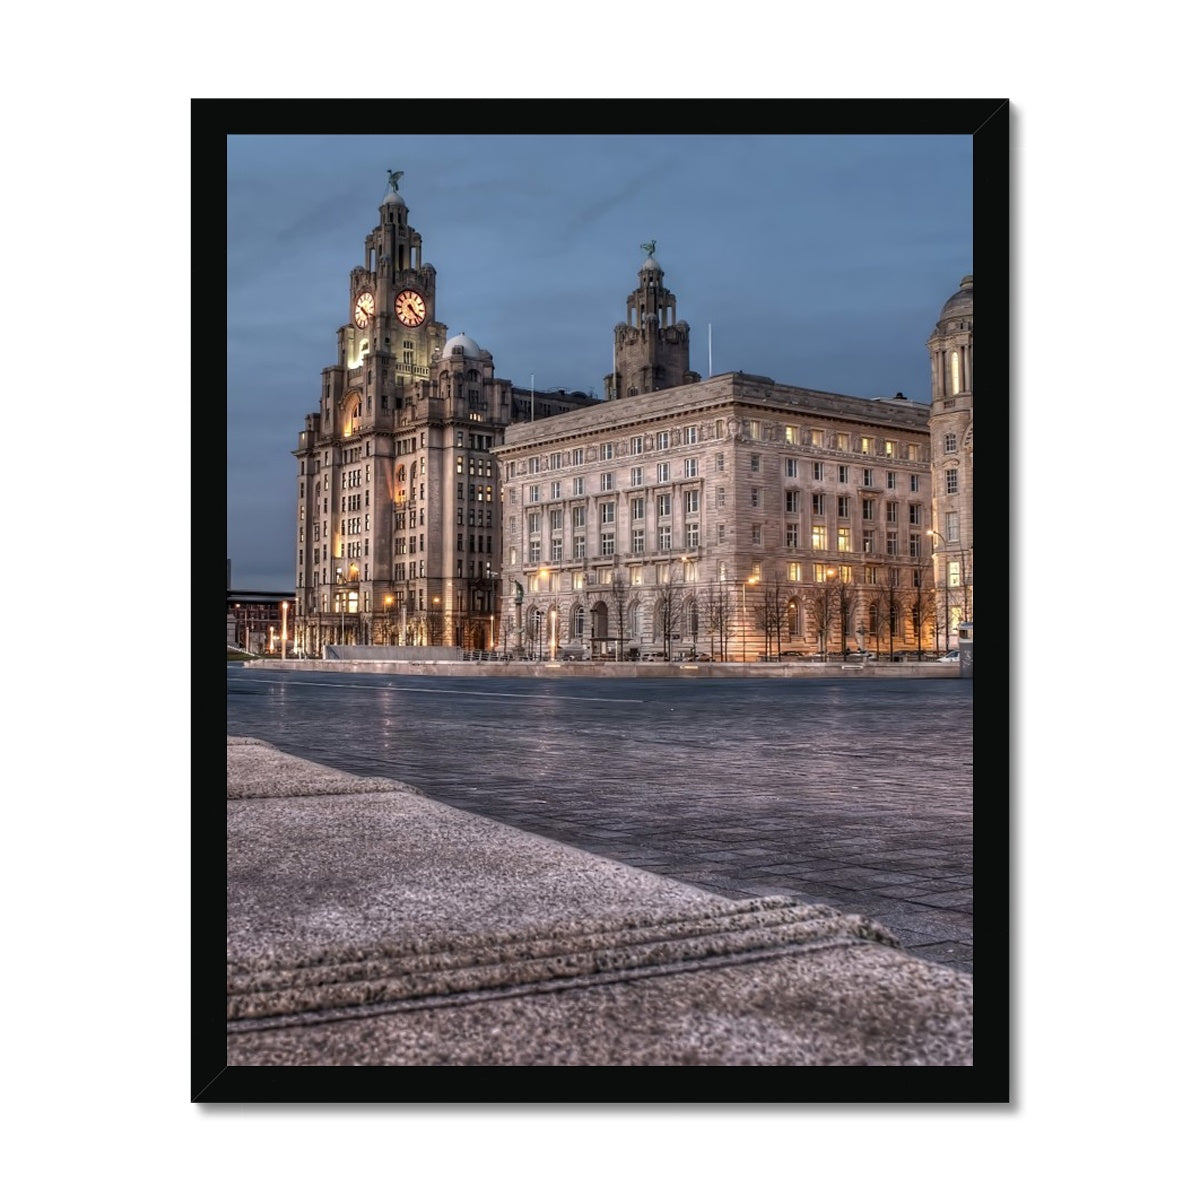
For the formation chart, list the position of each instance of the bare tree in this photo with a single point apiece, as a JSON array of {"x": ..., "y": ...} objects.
[
  {"x": 845, "y": 602},
  {"x": 821, "y": 605},
  {"x": 718, "y": 617},
  {"x": 923, "y": 602},
  {"x": 670, "y": 597},
  {"x": 771, "y": 612},
  {"x": 620, "y": 595}
]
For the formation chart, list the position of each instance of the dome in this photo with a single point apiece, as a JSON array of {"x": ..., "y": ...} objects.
[
  {"x": 962, "y": 303},
  {"x": 650, "y": 265},
  {"x": 468, "y": 346}
]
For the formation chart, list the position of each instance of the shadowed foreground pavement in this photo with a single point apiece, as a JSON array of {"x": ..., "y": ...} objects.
[{"x": 371, "y": 925}]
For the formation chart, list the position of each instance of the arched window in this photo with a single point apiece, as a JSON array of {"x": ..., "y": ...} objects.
[
  {"x": 955, "y": 374},
  {"x": 635, "y": 619},
  {"x": 577, "y": 628}
]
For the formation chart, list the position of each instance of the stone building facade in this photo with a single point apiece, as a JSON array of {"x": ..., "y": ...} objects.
[
  {"x": 734, "y": 517},
  {"x": 398, "y": 504},
  {"x": 951, "y": 436}
]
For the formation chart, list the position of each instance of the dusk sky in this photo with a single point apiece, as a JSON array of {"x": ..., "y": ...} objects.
[{"x": 820, "y": 261}]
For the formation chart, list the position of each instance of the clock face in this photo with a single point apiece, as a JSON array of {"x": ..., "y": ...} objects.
[
  {"x": 364, "y": 309},
  {"x": 410, "y": 308}
]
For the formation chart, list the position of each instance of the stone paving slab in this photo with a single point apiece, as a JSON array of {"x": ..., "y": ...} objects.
[{"x": 370, "y": 925}]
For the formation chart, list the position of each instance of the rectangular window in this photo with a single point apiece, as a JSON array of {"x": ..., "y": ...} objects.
[
  {"x": 792, "y": 502},
  {"x": 843, "y": 507},
  {"x": 608, "y": 542},
  {"x": 891, "y": 480},
  {"x": 664, "y": 506},
  {"x": 535, "y": 493},
  {"x": 720, "y": 497},
  {"x": 662, "y": 439},
  {"x": 720, "y": 460},
  {"x": 756, "y": 535},
  {"x": 845, "y": 545},
  {"x": 756, "y": 462},
  {"x": 818, "y": 504},
  {"x": 791, "y": 435},
  {"x": 720, "y": 533},
  {"x": 950, "y": 443},
  {"x": 868, "y": 510},
  {"x": 868, "y": 543},
  {"x": 690, "y": 436},
  {"x": 635, "y": 476},
  {"x": 693, "y": 536},
  {"x": 755, "y": 429},
  {"x": 535, "y": 465},
  {"x": 914, "y": 545},
  {"x": 952, "y": 527},
  {"x": 556, "y": 490},
  {"x": 843, "y": 441},
  {"x": 893, "y": 542},
  {"x": 818, "y": 470},
  {"x": 691, "y": 502},
  {"x": 843, "y": 474},
  {"x": 608, "y": 512},
  {"x": 791, "y": 468},
  {"x": 606, "y": 481},
  {"x": 607, "y": 450},
  {"x": 754, "y": 497},
  {"x": 637, "y": 508},
  {"x": 951, "y": 481},
  {"x": 914, "y": 483},
  {"x": 637, "y": 541},
  {"x": 866, "y": 445},
  {"x": 664, "y": 537},
  {"x": 889, "y": 449},
  {"x": 893, "y": 511},
  {"x": 816, "y": 437},
  {"x": 535, "y": 552},
  {"x": 664, "y": 472},
  {"x": 635, "y": 444},
  {"x": 691, "y": 468},
  {"x": 579, "y": 545},
  {"x": 556, "y": 549},
  {"x": 820, "y": 538},
  {"x": 535, "y": 522},
  {"x": 792, "y": 537},
  {"x": 578, "y": 517},
  {"x": 868, "y": 477},
  {"x": 577, "y": 457},
  {"x": 795, "y": 572},
  {"x": 914, "y": 514},
  {"x": 556, "y": 461},
  {"x": 577, "y": 486},
  {"x": 954, "y": 574},
  {"x": 556, "y": 519}
]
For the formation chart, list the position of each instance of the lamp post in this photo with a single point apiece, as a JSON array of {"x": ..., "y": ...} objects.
[
  {"x": 751, "y": 582},
  {"x": 388, "y": 601},
  {"x": 283, "y": 639},
  {"x": 945, "y": 585}
]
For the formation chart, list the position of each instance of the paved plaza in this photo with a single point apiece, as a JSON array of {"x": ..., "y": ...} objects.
[{"x": 853, "y": 794}]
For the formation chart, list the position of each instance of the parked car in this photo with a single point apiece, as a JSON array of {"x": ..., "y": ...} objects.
[{"x": 951, "y": 656}]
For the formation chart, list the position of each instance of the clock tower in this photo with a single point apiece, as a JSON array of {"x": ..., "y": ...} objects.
[
  {"x": 650, "y": 350},
  {"x": 399, "y": 503}
]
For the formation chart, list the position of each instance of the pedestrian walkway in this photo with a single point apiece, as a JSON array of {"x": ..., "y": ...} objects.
[{"x": 371, "y": 925}]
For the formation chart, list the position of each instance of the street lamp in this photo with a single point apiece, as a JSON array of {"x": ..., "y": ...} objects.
[
  {"x": 945, "y": 584},
  {"x": 283, "y": 639},
  {"x": 388, "y": 601},
  {"x": 751, "y": 581}
]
